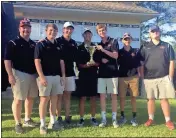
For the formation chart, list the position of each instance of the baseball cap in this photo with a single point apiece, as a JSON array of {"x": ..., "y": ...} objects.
[
  {"x": 87, "y": 30},
  {"x": 155, "y": 27},
  {"x": 68, "y": 24},
  {"x": 126, "y": 35},
  {"x": 25, "y": 22}
]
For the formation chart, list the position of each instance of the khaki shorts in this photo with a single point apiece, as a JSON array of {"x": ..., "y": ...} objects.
[
  {"x": 25, "y": 85},
  {"x": 159, "y": 88},
  {"x": 70, "y": 84},
  {"x": 129, "y": 83},
  {"x": 53, "y": 86},
  {"x": 109, "y": 84}
]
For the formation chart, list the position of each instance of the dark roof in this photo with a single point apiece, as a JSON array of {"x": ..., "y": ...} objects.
[{"x": 97, "y": 6}]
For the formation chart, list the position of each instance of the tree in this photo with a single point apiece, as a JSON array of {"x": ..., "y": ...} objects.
[{"x": 167, "y": 16}]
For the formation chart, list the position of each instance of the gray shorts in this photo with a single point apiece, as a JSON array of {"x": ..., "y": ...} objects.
[
  {"x": 53, "y": 86},
  {"x": 25, "y": 85},
  {"x": 159, "y": 88}
]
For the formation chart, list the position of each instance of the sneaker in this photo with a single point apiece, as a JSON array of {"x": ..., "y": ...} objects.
[
  {"x": 94, "y": 122},
  {"x": 59, "y": 120},
  {"x": 54, "y": 126},
  {"x": 81, "y": 122},
  {"x": 43, "y": 130},
  {"x": 170, "y": 125},
  {"x": 122, "y": 120},
  {"x": 68, "y": 119},
  {"x": 149, "y": 123},
  {"x": 29, "y": 123},
  {"x": 19, "y": 129},
  {"x": 115, "y": 124},
  {"x": 102, "y": 124},
  {"x": 134, "y": 122}
]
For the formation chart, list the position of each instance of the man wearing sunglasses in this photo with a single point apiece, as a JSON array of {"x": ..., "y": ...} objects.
[
  {"x": 19, "y": 64},
  {"x": 129, "y": 64},
  {"x": 158, "y": 70}
]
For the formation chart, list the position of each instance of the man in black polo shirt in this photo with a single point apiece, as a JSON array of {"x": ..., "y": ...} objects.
[
  {"x": 19, "y": 64},
  {"x": 87, "y": 83},
  {"x": 50, "y": 66},
  {"x": 158, "y": 71},
  {"x": 106, "y": 55},
  {"x": 129, "y": 64},
  {"x": 68, "y": 47}
]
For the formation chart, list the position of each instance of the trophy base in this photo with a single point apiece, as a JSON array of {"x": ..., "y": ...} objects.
[{"x": 90, "y": 62}]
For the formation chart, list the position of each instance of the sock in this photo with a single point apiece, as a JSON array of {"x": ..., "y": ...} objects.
[
  {"x": 26, "y": 119},
  {"x": 103, "y": 115},
  {"x": 122, "y": 114},
  {"x": 151, "y": 117},
  {"x": 134, "y": 114},
  {"x": 167, "y": 119},
  {"x": 42, "y": 122},
  {"x": 114, "y": 115},
  {"x": 52, "y": 119}
]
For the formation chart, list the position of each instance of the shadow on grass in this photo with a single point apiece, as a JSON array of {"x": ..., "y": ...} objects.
[{"x": 26, "y": 129}]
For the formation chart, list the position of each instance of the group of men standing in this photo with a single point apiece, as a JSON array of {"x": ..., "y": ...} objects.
[{"x": 47, "y": 69}]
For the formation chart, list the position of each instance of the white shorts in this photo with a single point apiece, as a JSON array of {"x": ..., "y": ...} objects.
[
  {"x": 109, "y": 84},
  {"x": 70, "y": 84}
]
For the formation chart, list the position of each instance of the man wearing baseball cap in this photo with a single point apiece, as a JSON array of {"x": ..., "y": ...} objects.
[
  {"x": 19, "y": 64},
  {"x": 129, "y": 64},
  {"x": 69, "y": 48},
  {"x": 158, "y": 70},
  {"x": 87, "y": 83}
]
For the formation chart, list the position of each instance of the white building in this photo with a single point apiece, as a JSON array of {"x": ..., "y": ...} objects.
[{"x": 120, "y": 17}]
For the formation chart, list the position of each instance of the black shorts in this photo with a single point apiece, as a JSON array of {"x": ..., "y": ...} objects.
[{"x": 87, "y": 87}]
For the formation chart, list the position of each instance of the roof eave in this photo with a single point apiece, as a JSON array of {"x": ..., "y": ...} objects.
[{"x": 85, "y": 10}]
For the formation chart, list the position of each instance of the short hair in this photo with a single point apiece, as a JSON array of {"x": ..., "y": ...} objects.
[
  {"x": 51, "y": 25},
  {"x": 99, "y": 26}
]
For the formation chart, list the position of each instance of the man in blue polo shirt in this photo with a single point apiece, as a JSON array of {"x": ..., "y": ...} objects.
[
  {"x": 158, "y": 71},
  {"x": 19, "y": 64}
]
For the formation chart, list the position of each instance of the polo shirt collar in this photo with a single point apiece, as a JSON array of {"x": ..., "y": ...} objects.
[
  {"x": 65, "y": 39},
  {"x": 152, "y": 44},
  {"x": 49, "y": 42},
  {"x": 108, "y": 38},
  {"x": 129, "y": 50},
  {"x": 21, "y": 38}
]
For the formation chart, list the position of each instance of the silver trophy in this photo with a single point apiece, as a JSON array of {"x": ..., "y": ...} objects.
[{"x": 91, "y": 50}]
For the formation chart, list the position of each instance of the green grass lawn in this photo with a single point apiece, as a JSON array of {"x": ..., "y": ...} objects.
[{"x": 158, "y": 130}]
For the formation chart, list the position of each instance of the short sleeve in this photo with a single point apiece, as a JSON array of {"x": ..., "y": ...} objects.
[
  {"x": 8, "y": 55},
  {"x": 38, "y": 51},
  {"x": 115, "y": 45},
  {"x": 171, "y": 53},
  {"x": 75, "y": 51},
  {"x": 141, "y": 53}
]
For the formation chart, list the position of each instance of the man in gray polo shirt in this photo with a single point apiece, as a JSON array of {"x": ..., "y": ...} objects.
[{"x": 158, "y": 71}]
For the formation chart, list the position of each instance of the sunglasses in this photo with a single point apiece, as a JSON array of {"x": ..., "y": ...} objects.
[
  {"x": 127, "y": 39},
  {"x": 156, "y": 30}
]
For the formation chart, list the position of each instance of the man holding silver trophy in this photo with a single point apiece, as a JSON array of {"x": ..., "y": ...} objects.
[
  {"x": 106, "y": 55},
  {"x": 87, "y": 83}
]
